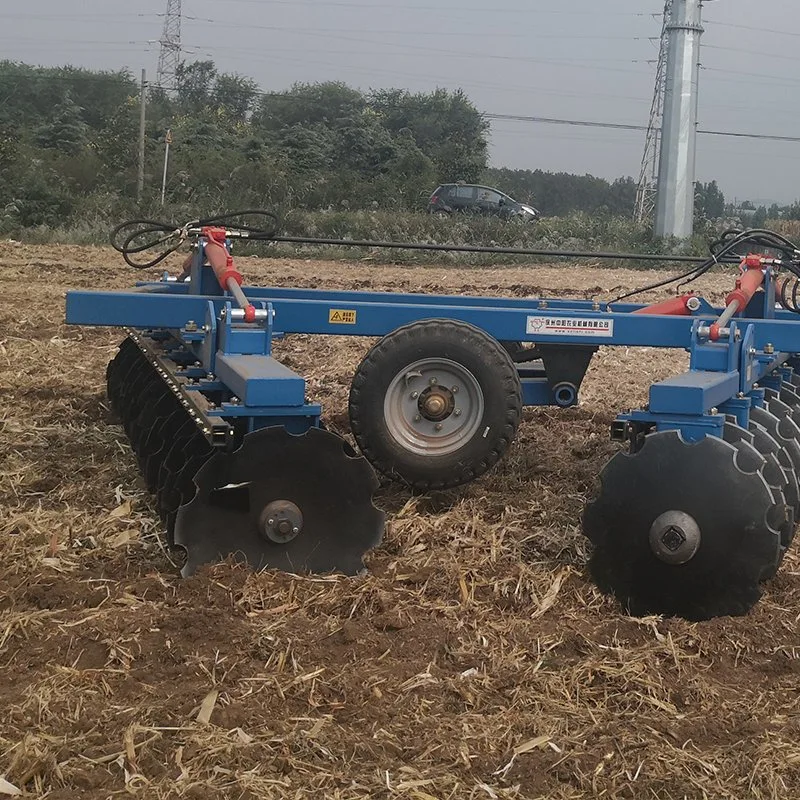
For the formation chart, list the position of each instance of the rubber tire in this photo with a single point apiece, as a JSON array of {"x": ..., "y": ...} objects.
[{"x": 468, "y": 346}]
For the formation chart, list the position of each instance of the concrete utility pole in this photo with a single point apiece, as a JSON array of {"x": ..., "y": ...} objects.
[
  {"x": 674, "y": 213},
  {"x": 142, "y": 121}
]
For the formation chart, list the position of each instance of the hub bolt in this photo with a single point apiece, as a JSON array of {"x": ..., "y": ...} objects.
[
  {"x": 433, "y": 381},
  {"x": 438, "y": 426},
  {"x": 454, "y": 390},
  {"x": 417, "y": 417},
  {"x": 457, "y": 412},
  {"x": 414, "y": 395},
  {"x": 672, "y": 538}
]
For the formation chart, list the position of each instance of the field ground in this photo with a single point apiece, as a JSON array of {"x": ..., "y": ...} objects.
[{"x": 475, "y": 660}]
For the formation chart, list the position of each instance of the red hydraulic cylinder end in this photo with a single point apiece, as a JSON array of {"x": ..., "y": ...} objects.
[
  {"x": 218, "y": 257},
  {"x": 676, "y": 307},
  {"x": 747, "y": 283}
]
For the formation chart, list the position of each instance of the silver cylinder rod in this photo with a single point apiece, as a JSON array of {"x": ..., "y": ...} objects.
[
  {"x": 726, "y": 316},
  {"x": 238, "y": 294}
]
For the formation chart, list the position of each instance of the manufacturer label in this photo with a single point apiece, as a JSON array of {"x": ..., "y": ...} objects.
[
  {"x": 341, "y": 316},
  {"x": 570, "y": 326}
]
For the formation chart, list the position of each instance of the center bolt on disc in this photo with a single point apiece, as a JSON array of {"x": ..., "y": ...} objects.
[{"x": 674, "y": 537}]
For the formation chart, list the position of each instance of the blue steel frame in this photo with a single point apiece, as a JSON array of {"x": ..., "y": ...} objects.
[{"x": 206, "y": 348}]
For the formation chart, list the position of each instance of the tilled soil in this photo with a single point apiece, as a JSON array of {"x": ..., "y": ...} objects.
[{"x": 475, "y": 660}]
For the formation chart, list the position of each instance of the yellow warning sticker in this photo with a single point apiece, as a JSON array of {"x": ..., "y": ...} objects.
[{"x": 340, "y": 316}]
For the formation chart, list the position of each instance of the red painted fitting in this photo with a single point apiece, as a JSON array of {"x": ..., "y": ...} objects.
[
  {"x": 250, "y": 314},
  {"x": 218, "y": 257},
  {"x": 676, "y": 307},
  {"x": 713, "y": 332},
  {"x": 753, "y": 261}
]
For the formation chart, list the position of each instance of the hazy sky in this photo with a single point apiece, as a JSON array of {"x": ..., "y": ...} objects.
[{"x": 576, "y": 59}]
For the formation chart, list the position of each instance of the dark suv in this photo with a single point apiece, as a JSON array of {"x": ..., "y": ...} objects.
[{"x": 470, "y": 198}]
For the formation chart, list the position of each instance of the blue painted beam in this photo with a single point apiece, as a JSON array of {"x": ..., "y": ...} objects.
[
  {"x": 323, "y": 316},
  {"x": 693, "y": 392},
  {"x": 327, "y": 315},
  {"x": 260, "y": 380}
]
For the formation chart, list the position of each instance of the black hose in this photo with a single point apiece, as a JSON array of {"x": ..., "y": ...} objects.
[
  {"x": 156, "y": 234},
  {"x": 723, "y": 250}
]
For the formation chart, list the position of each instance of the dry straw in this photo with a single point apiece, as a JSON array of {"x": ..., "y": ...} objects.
[{"x": 475, "y": 660}]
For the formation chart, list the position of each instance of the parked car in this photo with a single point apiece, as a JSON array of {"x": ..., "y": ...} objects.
[{"x": 470, "y": 198}]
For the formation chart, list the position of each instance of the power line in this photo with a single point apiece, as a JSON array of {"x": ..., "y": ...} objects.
[
  {"x": 752, "y": 28},
  {"x": 631, "y": 127},
  {"x": 448, "y": 9}
]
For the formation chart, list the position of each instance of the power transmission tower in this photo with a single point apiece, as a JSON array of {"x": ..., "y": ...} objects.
[
  {"x": 648, "y": 174},
  {"x": 169, "y": 56}
]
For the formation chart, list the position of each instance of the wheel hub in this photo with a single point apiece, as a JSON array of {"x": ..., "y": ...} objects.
[
  {"x": 281, "y": 521},
  {"x": 674, "y": 537},
  {"x": 436, "y": 403},
  {"x": 433, "y": 406}
]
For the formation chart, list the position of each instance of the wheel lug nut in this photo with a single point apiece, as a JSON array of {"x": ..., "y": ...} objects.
[
  {"x": 454, "y": 389},
  {"x": 438, "y": 426},
  {"x": 433, "y": 381},
  {"x": 417, "y": 418},
  {"x": 295, "y": 530},
  {"x": 457, "y": 412},
  {"x": 270, "y": 522},
  {"x": 414, "y": 395}
]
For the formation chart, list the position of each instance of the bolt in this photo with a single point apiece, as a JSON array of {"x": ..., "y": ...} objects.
[
  {"x": 542, "y": 304},
  {"x": 769, "y": 348},
  {"x": 457, "y": 412},
  {"x": 751, "y": 351},
  {"x": 740, "y": 395},
  {"x": 295, "y": 530},
  {"x": 595, "y": 305},
  {"x": 714, "y": 411},
  {"x": 414, "y": 395},
  {"x": 454, "y": 390},
  {"x": 433, "y": 381},
  {"x": 438, "y": 426},
  {"x": 270, "y": 522},
  {"x": 673, "y": 538},
  {"x": 417, "y": 417}
]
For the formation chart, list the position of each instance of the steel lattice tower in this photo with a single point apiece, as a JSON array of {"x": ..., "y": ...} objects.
[
  {"x": 648, "y": 174},
  {"x": 170, "y": 54}
]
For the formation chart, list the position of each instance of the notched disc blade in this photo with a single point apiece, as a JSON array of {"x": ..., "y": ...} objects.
[
  {"x": 724, "y": 492},
  {"x": 332, "y": 490}
]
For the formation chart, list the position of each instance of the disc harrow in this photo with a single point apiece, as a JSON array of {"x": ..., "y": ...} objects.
[{"x": 693, "y": 514}]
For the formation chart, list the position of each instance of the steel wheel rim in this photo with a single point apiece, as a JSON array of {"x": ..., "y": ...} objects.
[{"x": 433, "y": 406}]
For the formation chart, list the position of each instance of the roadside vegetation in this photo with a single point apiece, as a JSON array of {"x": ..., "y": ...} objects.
[{"x": 332, "y": 161}]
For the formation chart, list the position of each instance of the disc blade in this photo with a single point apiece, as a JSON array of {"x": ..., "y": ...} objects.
[
  {"x": 313, "y": 473},
  {"x": 707, "y": 482}
]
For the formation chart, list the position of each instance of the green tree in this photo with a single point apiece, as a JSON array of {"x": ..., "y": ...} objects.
[
  {"x": 66, "y": 131},
  {"x": 194, "y": 83},
  {"x": 308, "y": 105},
  {"x": 709, "y": 202},
  {"x": 445, "y": 125},
  {"x": 759, "y": 218},
  {"x": 234, "y": 96}
]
